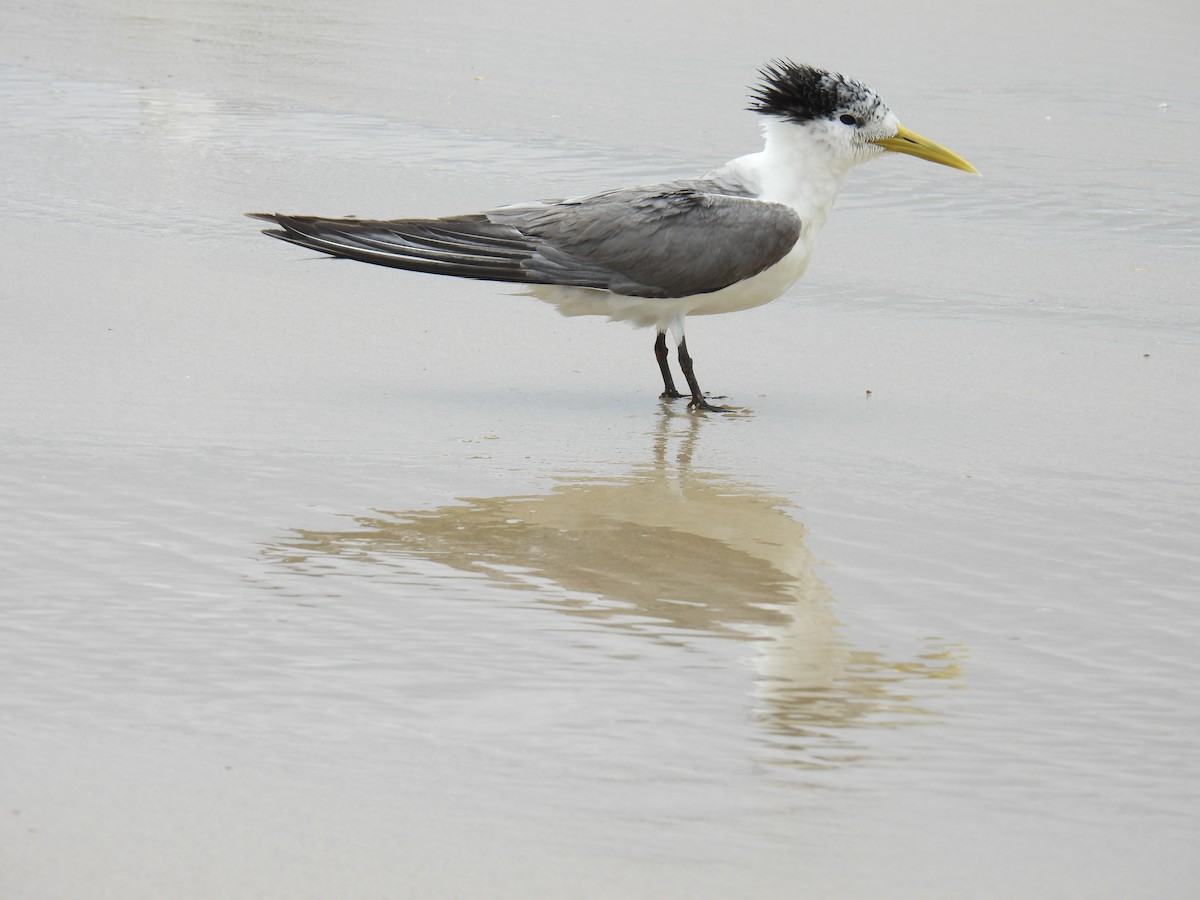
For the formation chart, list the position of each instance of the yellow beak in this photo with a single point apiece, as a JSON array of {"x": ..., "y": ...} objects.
[{"x": 905, "y": 141}]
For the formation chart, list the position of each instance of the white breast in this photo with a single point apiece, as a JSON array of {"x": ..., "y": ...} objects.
[{"x": 789, "y": 170}]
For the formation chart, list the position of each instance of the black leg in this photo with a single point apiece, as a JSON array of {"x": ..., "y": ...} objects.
[
  {"x": 660, "y": 353},
  {"x": 697, "y": 401}
]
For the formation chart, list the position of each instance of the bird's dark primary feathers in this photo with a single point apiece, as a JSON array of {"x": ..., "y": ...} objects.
[{"x": 802, "y": 93}]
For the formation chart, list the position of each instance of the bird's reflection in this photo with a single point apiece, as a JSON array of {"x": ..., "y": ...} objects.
[{"x": 669, "y": 552}]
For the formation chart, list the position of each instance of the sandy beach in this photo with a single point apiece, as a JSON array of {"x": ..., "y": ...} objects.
[{"x": 324, "y": 580}]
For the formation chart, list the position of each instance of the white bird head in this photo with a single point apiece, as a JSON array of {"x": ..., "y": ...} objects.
[{"x": 843, "y": 116}]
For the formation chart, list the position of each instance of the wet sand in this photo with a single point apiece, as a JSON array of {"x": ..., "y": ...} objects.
[{"x": 323, "y": 580}]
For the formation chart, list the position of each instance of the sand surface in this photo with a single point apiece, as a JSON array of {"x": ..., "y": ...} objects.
[{"x": 322, "y": 580}]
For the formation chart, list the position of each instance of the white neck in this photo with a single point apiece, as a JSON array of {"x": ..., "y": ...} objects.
[{"x": 797, "y": 168}]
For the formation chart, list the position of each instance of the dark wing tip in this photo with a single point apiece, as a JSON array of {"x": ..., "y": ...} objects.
[{"x": 274, "y": 219}]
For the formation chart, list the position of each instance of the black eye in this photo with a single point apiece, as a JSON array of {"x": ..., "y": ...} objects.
[{"x": 847, "y": 119}]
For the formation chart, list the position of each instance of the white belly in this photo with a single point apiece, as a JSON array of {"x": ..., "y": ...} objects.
[{"x": 643, "y": 312}]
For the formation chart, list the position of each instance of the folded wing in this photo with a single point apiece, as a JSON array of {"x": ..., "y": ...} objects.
[{"x": 665, "y": 241}]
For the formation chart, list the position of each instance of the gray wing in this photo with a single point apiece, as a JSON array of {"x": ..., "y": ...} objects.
[{"x": 670, "y": 240}]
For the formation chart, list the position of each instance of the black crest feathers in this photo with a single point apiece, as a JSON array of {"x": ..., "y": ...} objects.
[{"x": 801, "y": 93}]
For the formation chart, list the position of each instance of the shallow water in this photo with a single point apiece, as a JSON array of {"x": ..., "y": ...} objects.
[{"x": 321, "y": 580}]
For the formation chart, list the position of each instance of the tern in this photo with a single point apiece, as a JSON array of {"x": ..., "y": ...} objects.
[{"x": 733, "y": 239}]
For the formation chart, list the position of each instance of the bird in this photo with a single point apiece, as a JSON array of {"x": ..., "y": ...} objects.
[{"x": 733, "y": 239}]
